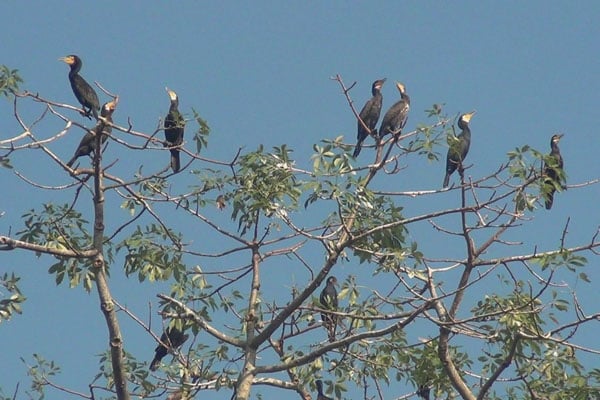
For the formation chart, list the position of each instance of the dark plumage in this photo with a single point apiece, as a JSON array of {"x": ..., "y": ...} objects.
[
  {"x": 553, "y": 171},
  {"x": 88, "y": 142},
  {"x": 329, "y": 301},
  {"x": 459, "y": 147},
  {"x": 424, "y": 392},
  {"x": 85, "y": 94},
  {"x": 320, "y": 395},
  {"x": 395, "y": 118},
  {"x": 174, "y": 124},
  {"x": 369, "y": 115},
  {"x": 173, "y": 338}
]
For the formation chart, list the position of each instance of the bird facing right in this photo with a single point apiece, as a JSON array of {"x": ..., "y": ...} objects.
[
  {"x": 173, "y": 338},
  {"x": 320, "y": 394},
  {"x": 85, "y": 94},
  {"x": 553, "y": 171},
  {"x": 459, "y": 148},
  {"x": 174, "y": 125},
  {"x": 329, "y": 301},
  {"x": 369, "y": 116}
]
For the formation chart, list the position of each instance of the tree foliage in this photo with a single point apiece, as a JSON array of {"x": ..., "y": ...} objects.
[{"x": 487, "y": 320}]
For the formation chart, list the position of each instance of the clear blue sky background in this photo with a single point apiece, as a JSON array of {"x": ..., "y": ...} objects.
[{"x": 260, "y": 73}]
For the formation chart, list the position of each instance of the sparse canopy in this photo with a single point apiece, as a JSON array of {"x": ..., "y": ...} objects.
[{"x": 439, "y": 298}]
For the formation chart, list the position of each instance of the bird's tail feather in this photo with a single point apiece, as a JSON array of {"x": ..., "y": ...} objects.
[
  {"x": 154, "y": 364},
  {"x": 549, "y": 200},
  {"x": 357, "y": 149},
  {"x": 175, "y": 161},
  {"x": 446, "y": 180}
]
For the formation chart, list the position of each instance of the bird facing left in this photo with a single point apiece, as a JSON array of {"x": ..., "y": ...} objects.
[
  {"x": 88, "y": 142},
  {"x": 395, "y": 118},
  {"x": 85, "y": 94}
]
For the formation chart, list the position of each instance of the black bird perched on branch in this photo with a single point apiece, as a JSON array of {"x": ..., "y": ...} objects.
[
  {"x": 173, "y": 338},
  {"x": 369, "y": 115},
  {"x": 329, "y": 301},
  {"x": 85, "y": 94},
  {"x": 459, "y": 147},
  {"x": 320, "y": 395},
  {"x": 553, "y": 170},
  {"x": 424, "y": 392},
  {"x": 88, "y": 142},
  {"x": 174, "y": 124},
  {"x": 395, "y": 118}
]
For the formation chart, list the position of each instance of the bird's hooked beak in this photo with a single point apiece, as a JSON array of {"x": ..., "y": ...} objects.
[
  {"x": 400, "y": 87},
  {"x": 467, "y": 117},
  {"x": 113, "y": 104},
  {"x": 172, "y": 94},
  {"x": 556, "y": 138},
  {"x": 68, "y": 60}
]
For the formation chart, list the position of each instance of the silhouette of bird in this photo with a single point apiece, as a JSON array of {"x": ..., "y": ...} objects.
[
  {"x": 173, "y": 338},
  {"x": 329, "y": 301},
  {"x": 320, "y": 395},
  {"x": 174, "y": 125},
  {"x": 85, "y": 94},
  {"x": 369, "y": 115},
  {"x": 88, "y": 142},
  {"x": 459, "y": 148},
  {"x": 395, "y": 118},
  {"x": 553, "y": 171},
  {"x": 424, "y": 392}
]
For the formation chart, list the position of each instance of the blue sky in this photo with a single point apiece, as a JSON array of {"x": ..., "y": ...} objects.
[{"x": 260, "y": 73}]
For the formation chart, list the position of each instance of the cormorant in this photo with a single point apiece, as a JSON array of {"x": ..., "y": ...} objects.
[
  {"x": 553, "y": 171},
  {"x": 369, "y": 115},
  {"x": 395, "y": 118},
  {"x": 174, "y": 124},
  {"x": 88, "y": 142},
  {"x": 320, "y": 395},
  {"x": 459, "y": 148},
  {"x": 329, "y": 301},
  {"x": 85, "y": 94},
  {"x": 424, "y": 392},
  {"x": 173, "y": 338}
]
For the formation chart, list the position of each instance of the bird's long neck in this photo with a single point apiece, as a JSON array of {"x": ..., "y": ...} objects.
[
  {"x": 174, "y": 107},
  {"x": 405, "y": 97},
  {"x": 319, "y": 388},
  {"x": 75, "y": 68},
  {"x": 466, "y": 131},
  {"x": 554, "y": 148},
  {"x": 466, "y": 134},
  {"x": 106, "y": 113}
]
